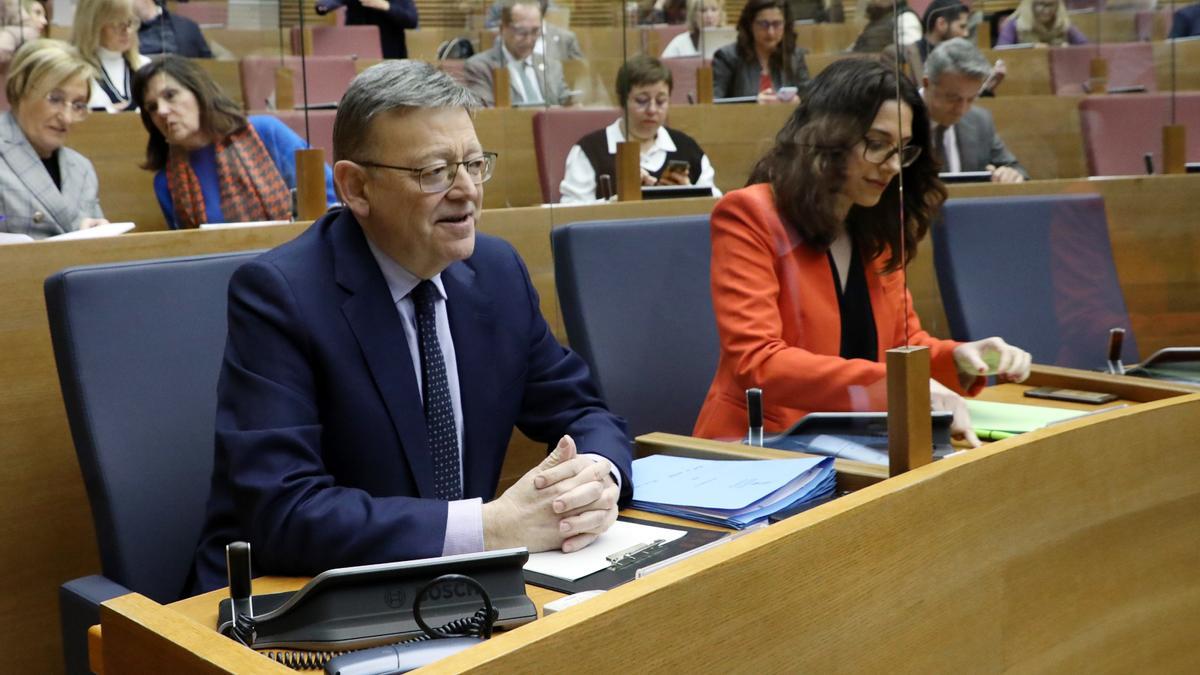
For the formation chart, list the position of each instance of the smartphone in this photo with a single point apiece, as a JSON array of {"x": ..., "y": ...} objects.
[
  {"x": 677, "y": 166},
  {"x": 786, "y": 93},
  {"x": 1070, "y": 395}
]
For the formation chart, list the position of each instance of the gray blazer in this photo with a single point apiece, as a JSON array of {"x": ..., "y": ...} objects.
[
  {"x": 29, "y": 201},
  {"x": 980, "y": 145},
  {"x": 734, "y": 77},
  {"x": 477, "y": 73}
]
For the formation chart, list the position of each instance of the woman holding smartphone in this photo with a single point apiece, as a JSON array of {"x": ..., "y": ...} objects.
[
  {"x": 805, "y": 258},
  {"x": 668, "y": 156}
]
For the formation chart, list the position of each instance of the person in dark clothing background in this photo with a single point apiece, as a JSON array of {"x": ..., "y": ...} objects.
[
  {"x": 165, "y": 33},
  {"x": 392, "y": 17}
]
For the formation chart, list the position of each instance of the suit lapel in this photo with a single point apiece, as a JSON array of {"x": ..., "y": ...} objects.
[
  {"x": 471, "y": 325},
  {"x": 29, "y": 169},
  {"x": 377, "y": 326}
]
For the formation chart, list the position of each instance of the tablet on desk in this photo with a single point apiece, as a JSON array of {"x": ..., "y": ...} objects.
[
  {"x": 737, "y": 99},
  {"x": 675, "y": 191},
  {"x": 965, "y": 176},
  {"x": 861, "y": 437},
  {"x": 327, "y": 105},
  {"x": 1193, "y": 167}
]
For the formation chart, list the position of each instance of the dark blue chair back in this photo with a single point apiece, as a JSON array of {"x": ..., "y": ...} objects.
[
  {"x": 1037, "y": 271},
  {"x": 637, "y": 307},
  {"x": 139, "y": 348}
]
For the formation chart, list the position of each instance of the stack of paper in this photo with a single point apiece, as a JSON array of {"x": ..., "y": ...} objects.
[
  {"x": 728, "y": 493},
  {"x": 994, "y": 421}
]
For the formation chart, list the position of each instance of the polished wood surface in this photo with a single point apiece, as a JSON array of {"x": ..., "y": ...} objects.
[
  {"x": 1152, "y": 222},
  {"x": 910, "y": 435},
  {"x": 1055, "y": 550}
]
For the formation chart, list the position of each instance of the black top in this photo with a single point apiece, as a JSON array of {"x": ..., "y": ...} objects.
[
  {"x": 399, "y": 15},
  {"x": 595, "y": 148},
  {"x": 171, "y": 34},
  {"x": 859, "y": 338},
  {"x": 51, "y": 164}
]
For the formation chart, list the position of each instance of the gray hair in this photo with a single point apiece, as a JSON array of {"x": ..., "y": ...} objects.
[
  {"x": 959, "y": 56},
  {"x": 393, "y": 85}
]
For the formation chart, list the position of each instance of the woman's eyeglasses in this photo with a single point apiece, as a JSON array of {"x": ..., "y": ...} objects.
[
  {"x": 58, "y": 101},
  {"x": 879, "y": 152}
]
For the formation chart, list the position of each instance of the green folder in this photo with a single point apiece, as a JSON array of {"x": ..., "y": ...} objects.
[{"x": 993, "y": 421}]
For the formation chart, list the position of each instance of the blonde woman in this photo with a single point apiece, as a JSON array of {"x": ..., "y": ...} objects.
[
  {"x": 1040, "y": 22},
  {"x": 106, "y": 34},
  {"x": 701, "y": 14},
  {"x": 45, "y": 187}
]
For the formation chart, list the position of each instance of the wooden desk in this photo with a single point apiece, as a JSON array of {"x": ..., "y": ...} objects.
[
  {"x": 1054, "y": 550},
  {"x": 1152, "y": 222}
]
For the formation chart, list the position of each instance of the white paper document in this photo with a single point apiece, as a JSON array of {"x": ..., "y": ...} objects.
[
  {"x": 105, "y": 230},
  {"x": 619, "y": 537}
]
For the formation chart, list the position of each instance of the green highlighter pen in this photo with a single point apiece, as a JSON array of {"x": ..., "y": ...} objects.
[{"x": 993, "y": 435}]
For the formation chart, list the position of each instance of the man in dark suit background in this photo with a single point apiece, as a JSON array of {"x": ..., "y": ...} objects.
[
  {"x": 165, "y": 33},
  {"x": 964, "y": 135},
  {"x": 377, "y": 364}
]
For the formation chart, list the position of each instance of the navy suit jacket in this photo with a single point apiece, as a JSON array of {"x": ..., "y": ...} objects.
[{"x": 322, "y": 458}]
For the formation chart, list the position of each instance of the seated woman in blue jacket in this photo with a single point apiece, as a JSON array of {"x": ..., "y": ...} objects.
[{"x": 213, "y": 164}]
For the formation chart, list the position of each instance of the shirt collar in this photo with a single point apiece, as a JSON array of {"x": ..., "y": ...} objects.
[
  {"x": 509, "y": 58},
  {"x": 400, "y": 281},
  {"x": 612, "y": 134}
]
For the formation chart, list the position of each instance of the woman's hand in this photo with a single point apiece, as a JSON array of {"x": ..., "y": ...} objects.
[
  {"x": 381, "y": 5},
  {"x": 675, "y": 178},
  {"x": 89, "y": 223},
  {"x": 991, "y": 356},
  {"x": 647, "y": 179},
  {"x": 941, "y": 398}
]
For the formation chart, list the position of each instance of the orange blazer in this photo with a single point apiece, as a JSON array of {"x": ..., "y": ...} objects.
[{"x": 780, "y": 327}]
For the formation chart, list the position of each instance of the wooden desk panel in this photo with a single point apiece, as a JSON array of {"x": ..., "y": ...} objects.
[
  {"x": 1043, "y": 132},
  {"x": 1028, "y": 71},
  {"x": 1186, "y": 55},
  {"x": 1055, "y": 550},
  {"x": 116, "y": 145}
]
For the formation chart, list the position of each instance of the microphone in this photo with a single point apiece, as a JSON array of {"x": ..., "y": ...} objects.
[
  {"x": 237, "y": 565},
  {"x": 755, "y": 412},
  {"x": 1148, "y": 158},
  {"x": 605, "y": 183},
  {"x": 1116, "y": 337}
]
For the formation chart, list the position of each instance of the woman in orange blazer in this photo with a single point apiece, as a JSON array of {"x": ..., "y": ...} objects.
[{"x": 804, "y": 287}]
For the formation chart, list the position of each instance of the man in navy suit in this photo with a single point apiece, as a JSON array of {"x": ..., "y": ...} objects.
[{"x": 377, "y": 364}]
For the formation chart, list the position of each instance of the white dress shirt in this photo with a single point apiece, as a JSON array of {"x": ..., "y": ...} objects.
[
  {"x": 464, "y": 517},
  {"x": 579, "y": 180},
  {"x": 517, "y": 71}
]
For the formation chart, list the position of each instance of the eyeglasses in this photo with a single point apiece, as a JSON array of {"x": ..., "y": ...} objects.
[
  {"x": 440, "y": 177},
  {"x": 58, "y": 101},
  {"x": 879, "y": 152},
  {"x": 128, "y": 24},
  {"x": 645, "y": 102},
  {"x": 525, "y": 33},
  {"x": 769, "y": 25}
]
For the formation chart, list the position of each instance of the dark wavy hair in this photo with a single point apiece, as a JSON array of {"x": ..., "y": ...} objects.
[
  {"x": 807, "y": 165},
  {"x": 782, "y": 58},
  {"x": 219, "y": 115}
]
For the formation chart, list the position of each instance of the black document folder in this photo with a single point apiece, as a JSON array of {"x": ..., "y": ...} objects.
[{"x": 611, "y": 577}]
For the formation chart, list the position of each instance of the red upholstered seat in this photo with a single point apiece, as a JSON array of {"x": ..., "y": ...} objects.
[
  {"x": 554, "y": 132},
  {"x": 320, "y": 126},
  {"x": 360, "y": 42},
  {"x": 1118, "y": 130},
  {"x": 1129, "y": 64},
  {"x": 328, "y": 78},
  {"x": 683, "y": 76}
]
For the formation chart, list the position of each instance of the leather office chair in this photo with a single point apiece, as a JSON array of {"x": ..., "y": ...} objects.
[
  {"x": 1037, "y": 271},
  {"x": 554, "y": 132},
  {"x": 328, "y": 79},
  {"x": 139, "y": 347},
  {"x": 637, "y": 307},
  {"x": 1119, "y": 130},
  {"x": 359, "y": 42},
  {"x": 1129, "y": 64}
]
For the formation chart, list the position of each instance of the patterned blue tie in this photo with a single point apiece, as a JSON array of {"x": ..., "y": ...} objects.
[{"x": 439, "y": 410}]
